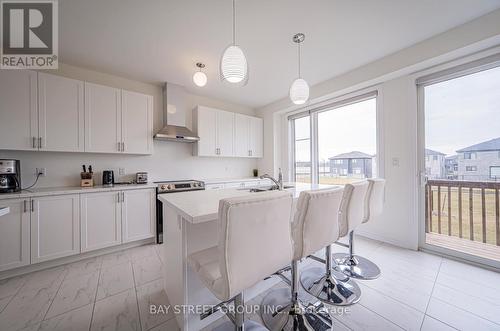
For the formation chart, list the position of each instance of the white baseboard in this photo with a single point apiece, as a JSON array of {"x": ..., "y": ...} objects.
[
  {"x": 69, "y": 259},
  {"x": 386, "y": 239}
]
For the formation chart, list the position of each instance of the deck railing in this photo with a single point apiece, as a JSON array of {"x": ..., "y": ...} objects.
[{"x": 464, "y": 209}]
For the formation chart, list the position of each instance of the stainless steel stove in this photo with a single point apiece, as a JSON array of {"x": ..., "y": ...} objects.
[{"x": 174, "y": 186}]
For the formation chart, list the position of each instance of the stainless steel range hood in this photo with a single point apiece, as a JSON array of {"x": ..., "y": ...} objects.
[{"x": 174, "y": 116}]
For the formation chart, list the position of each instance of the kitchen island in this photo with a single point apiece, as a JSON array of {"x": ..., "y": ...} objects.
[{"x": 190, "y": 224}]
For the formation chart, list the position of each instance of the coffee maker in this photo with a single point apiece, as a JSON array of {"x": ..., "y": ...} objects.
[{"x": 10, "y": 176}]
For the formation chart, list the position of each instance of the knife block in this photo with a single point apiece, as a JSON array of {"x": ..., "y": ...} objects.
[{"x": 87, "y": 179}]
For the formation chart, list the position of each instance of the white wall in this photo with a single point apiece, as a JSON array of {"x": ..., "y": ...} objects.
[
  {"x": 171, "y": 160},
  {"x": 394, "y": 76}
]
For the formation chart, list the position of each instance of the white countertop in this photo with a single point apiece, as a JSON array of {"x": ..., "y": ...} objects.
[
  {"x": 202, "y": 206},
  {"x": 230, "y": 180},
  {"x": 44, "y": 191}
]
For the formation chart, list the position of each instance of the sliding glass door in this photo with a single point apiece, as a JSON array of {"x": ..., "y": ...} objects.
[
  {"x": 460, "y": 158},
  {"x": 336, "y": 143}
]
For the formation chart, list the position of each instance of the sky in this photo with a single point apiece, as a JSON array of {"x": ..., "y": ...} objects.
[
  {"x": 341, "y": 130},
  {"x": 463, "y": 111},
  {"x": 458, "y": 113}
]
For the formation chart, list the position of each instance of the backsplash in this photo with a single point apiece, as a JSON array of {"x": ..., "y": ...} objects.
[{"x": 170, "y": 161}]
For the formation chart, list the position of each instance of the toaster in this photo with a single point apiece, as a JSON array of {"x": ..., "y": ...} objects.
[{"x": 141, "y": 177}]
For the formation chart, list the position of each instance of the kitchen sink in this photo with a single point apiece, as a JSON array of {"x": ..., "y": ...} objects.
[{"x": 269, "y": 188}]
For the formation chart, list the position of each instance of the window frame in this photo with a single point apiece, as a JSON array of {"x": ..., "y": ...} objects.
[{"x": 328, "y": 105}]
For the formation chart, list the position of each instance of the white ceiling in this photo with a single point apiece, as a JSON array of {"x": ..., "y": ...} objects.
[{"x": 161, "y": 40}]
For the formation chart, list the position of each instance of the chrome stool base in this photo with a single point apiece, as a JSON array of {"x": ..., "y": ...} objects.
[
  {"x": 334, "y": 288},
  {"x": 357, "y": 267},
  {"x": 279, "y": 313},
  {"x": 249, "y": 325}
]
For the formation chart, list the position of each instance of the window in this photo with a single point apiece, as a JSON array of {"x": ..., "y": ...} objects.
[
  {"x": 349, "y": 131},
  {"x": 324, "y": 145},
  {"x": 455, "y": 167},
  {"x": 471, "y": 168},
  {"x": 435, "y": 157},
  {"x": 495, "y": 172},
  {"x": 469, "y": 156},
  {"x": 302, "y": 149}
]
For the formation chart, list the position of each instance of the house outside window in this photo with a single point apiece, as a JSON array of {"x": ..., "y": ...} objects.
[{"x": 471, "y": 168}]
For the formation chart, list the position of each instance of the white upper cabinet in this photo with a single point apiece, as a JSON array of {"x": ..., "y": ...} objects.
[
  {"x": 138, "y": 214},
  {"x": 60, "y": 114},
  {"x": 256, "y": 137},
  {"x": 137, "y": 123},
  {"x": 103, "y": 128},
  {"x": 55, "y": 227},
  {"x": 241, "y": 135},
  {"x": 39, "y": 111},
  {"x": 205, "y": 124},
  {"x": 18, "y": 110},
  {"x": 248, "y": 136},
  {"x": 225, "y": 132},
  {"x": 15, "y": 233}
]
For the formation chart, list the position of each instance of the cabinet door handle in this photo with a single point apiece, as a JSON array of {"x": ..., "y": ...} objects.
[
  {"x": 32, "y": 205},
  {"x": 34, "y": 142},
  {"x": 119, "y": 147},
  {"x": 123, "y": 146},
  {"x": 25, "y": 206},
  {"x": 123, "y": 196},
  {"x": 40, "y": 140},
  {"x": 118, "y": 197}
]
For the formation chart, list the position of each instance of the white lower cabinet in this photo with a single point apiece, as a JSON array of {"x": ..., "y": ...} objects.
[
  {"x": 100, "y": 219},
  {"x": 111, "y": 218},
  {"x": 44, "y": 228},
  {"x": 15, "y": 234},
  {"x": 55, "y": 227},
  {"x": 138, "y": 214}
]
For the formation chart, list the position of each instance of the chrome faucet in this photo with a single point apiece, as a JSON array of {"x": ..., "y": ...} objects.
[{"x": 279, "y": 182}]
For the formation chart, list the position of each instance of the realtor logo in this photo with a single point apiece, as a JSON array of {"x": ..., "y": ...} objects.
[{"x": 29, "y": 34}]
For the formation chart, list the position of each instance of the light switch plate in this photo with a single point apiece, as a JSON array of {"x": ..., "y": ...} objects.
[{"x": 121, "y": 171}]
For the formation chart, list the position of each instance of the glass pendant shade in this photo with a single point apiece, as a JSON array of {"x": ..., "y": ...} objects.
[
  {"x": 200, "y": 79},
  {"x": 299, "y": 91},
  {"x": 233, "y": 65}
]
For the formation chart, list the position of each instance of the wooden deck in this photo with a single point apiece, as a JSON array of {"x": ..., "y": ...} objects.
[{"x": 487, "y": 251}]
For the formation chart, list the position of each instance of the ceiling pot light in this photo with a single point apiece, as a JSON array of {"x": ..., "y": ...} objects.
[
  {"x": 233, "y": 63},
  {"x": 199, "y": 77},
  {"x": 299, "y": 91}
]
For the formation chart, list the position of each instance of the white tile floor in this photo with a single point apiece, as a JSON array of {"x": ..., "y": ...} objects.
[{"x": 417, "y": 291}]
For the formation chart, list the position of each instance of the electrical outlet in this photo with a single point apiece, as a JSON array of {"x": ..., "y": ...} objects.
[
  {"x": 121, "y": 171},
  {"x": 41, "y": 171}
]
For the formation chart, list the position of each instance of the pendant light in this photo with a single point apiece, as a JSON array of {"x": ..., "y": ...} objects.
[
  {"x": 199, "y": 77},
  {"x": 299, "y": 91},
  {"x": 233, "y": 63}
]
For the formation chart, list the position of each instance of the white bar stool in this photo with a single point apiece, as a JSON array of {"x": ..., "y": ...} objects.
[
  {"x": 354, "y": 265},
  {"x": 331, "y": 286},
  {"x": 315, "y": 226},
  {"x": 254, "y": 242}
]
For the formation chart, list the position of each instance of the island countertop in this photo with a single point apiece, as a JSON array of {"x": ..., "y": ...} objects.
[{"x": 202, "y": 206}]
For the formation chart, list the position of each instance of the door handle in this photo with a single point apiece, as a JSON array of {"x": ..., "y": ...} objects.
[
  {"x": 40, "y": 140},
  {"x": 25, "y": 209},
  {"x": 119, "y": 147},
  {"x": 123, "y": 196},
  {"x": 123, "y": 146},
  {"x": 34, "y": 142},
  {"x": 32, "y": 205}
]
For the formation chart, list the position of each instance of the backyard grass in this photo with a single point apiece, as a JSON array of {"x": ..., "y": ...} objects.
[{"x": 491, "y": 226}]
